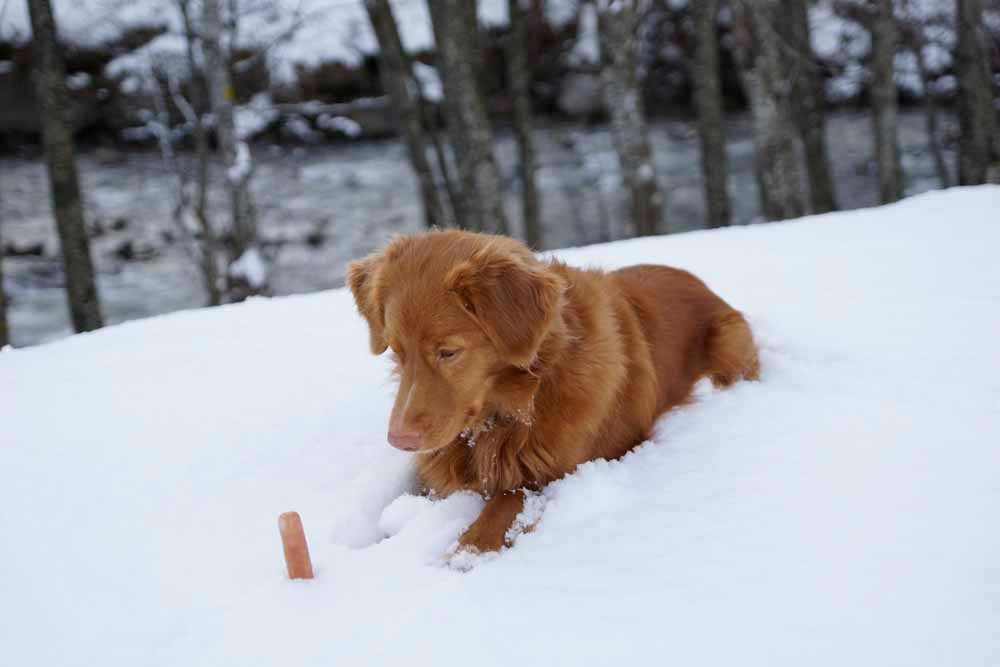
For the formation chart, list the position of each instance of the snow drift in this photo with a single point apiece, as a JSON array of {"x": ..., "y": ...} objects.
[{"x": 841, "y": 511}]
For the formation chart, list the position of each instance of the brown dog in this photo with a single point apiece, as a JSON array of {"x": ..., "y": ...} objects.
[{"x": 513, "y": 371}]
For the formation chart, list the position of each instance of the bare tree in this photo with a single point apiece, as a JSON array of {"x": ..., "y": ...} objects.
[
  {"x": 236, "y": 157},
  {"x": 395, "y": 71},
  {"x": 204, "y": 247},
  {"x": 913, "y": 39},
  {"x": 456, "y": 35},
  {"x": 708, "y": 106},
  {"x": 809, "y": 106},
  {"x": 878, "y": 18},
  {"x": 618, "y": 26},
  {"x": 977, "y": 149},
  {"x": 57, "y": 136},
  {"x": 764, "y": 71},
  {"x": 885, "y": 112},
  {"x": 207, "y": 250},
  {"x": 4, "y": 330},
  {"x": 520, "y": 75}
]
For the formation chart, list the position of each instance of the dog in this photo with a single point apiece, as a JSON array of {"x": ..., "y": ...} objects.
[{"x": 514, "y": 370}]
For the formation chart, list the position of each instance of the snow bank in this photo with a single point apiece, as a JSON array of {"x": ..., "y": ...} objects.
[
  {"x": 298, "y": 33},
  {"x": 841, "y": 511}
]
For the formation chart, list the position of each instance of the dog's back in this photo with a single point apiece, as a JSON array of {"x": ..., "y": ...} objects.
[{"x": 670, "y": 330}]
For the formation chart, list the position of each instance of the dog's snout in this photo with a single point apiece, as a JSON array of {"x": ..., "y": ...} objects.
[{"x": 408, "y": 442}]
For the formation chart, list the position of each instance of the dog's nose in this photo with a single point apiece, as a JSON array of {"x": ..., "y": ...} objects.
[{"x": 408, "y": 442}]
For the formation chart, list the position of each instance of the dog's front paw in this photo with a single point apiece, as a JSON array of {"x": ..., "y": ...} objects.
[
  {"x": 484, "y": 537},
  {"x": 462, "y": 558}
]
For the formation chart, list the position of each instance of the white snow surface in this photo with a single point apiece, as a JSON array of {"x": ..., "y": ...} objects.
[{"x": 841, "y": 511}]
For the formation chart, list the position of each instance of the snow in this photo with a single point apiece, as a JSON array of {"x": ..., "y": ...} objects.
[
  {"x": 250, "y": 266},
  {"x": 848, "y": 44},
  {"x": 295, "y": 33},
  {"x": 77, "y": 81},
  {"x": 134, "y": 69},
  {"x": 242, "y": 164},
  {"x": 253, "y": 118},
  {"x": 587, "y": 48},
  {"x": 431, "y": 88},
  {"x": 298, "y": 128},
  {"x": 841, "y": 511},
  {"x": 342, "y": 124},
  {"x": 646, "y": 173}
]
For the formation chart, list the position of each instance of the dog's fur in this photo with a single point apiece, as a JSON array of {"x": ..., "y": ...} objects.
[{"x": 514, "y": 370}]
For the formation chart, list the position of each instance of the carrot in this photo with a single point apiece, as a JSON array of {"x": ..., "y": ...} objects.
[{"x": 293, "y": 539}]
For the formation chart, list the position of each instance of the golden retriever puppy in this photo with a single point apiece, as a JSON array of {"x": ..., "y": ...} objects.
[{"x": 513, "y": 370}]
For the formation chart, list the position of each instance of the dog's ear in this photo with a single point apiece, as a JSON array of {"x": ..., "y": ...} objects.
[
  {"x": 514, "y": 299},
  {"x": 361, "y": 279}
]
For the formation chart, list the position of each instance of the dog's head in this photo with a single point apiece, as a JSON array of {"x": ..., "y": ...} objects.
[{"x": 465, "y": 316}]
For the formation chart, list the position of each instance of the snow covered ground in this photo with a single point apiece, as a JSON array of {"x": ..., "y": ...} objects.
[{"x": 842, "y": 511}]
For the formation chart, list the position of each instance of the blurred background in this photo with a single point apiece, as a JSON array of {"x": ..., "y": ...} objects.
[{"x": 165, "y": 154}]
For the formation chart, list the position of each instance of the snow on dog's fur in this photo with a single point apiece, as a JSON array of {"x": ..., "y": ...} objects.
[{"x": 539, "y": 365}]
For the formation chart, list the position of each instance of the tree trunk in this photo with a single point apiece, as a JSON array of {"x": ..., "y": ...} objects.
[
  {"x": 930, "y": 108},
  {"x": 208, "y": 248},
  {"x": 810, "y": 107},
  {"x": 428, "y": 121},
  {"x": 885, "y": 115},
  {"x": 236, "y": 156},
  {"x": 977, "y": 147},
  {"x": 519, "y": 73},
  {"x": 763, "y": 68},
  {"x": 57, "y": 136},
  {"x": 456, "y": 35},
  {"x": 4, "y": 330},
  {"x": 618, "y": 22},
  {"x": 397, "y": 80},
  {"x": 708, "y": 107}
]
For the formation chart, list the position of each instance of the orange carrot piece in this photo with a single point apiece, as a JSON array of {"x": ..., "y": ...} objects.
[{"x": 293, "y": 539}]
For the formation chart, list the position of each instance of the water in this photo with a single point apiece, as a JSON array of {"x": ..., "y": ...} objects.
[{"x": 349, "y": 198}]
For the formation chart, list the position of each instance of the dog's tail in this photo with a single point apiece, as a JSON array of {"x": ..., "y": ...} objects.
[{"x": 730, "y": 350}]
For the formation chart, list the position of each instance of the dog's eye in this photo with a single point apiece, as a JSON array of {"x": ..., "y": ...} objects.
[{"x": 446, "y": 355}]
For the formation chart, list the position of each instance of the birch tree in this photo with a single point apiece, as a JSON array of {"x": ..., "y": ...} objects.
[
  {"x": 519, "y": 75},
  {"x": 207, "y": 250},
  {"x": 246, "y": 273},
  {"x": 618, "y": 25},
  {"x": 763, "y": 70},
  {"x": 708, "y": 107},
  {"x": 57, "y": 138},
  {"x": 396, "y": 73},
  {"x": 456, "y": 35},
  {"x": 977, "y": 146}
]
